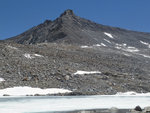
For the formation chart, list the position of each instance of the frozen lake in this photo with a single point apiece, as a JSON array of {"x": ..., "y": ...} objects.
[{"x": 68, "y": 103}]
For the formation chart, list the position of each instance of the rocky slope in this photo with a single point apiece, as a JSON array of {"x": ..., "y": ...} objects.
[
  {"x": 53, "y": 65},
  {"x": 50, "y": 54}
]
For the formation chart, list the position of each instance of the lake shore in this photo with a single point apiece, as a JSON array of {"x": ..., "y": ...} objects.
[
  {"x": 113, "y": 110},
  {"x": 101, "y": 111}
]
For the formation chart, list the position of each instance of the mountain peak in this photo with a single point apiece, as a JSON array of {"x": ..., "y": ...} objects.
[
  {"x": 71, "y": 29},
  {"x": 67, "y": 12}
]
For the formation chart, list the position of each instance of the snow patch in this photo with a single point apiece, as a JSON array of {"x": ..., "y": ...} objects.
[
  {"x": 145, "y": 43},
  {"x": 131, "y": 49},
  {"x": 31, "y": 56},
  {"x": 124, "y": 44},
  {"x": 109, "y": 35},
  {"x": 12, "y": 47},
  {"x": 96, "y": 45},
  {"x": 99, "y": 45},
  {"x": 146, "y": 56},
  {"x": 107, "y": 41},
  {"x": 121, "y": 45},
  {"x": 2, "y": 80},
  {"x": 130, "y": 93},
  {"x": 126, "y": 54},
  {"x": 103, "y": 44},
  {"x": 117, "y": 47},
  {"x": 86, "y": 47},
  {"x": 37, "y": 55},
  {"x": 124, "y": 47},
  {"x": 86, "y": 72},
  {"x": 23, "y": 91}
]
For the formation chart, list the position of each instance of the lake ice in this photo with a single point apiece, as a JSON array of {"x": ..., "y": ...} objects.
[{"x": 69, "y": 103}]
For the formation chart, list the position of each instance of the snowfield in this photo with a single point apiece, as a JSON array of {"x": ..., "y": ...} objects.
[{"x": 23, "y": 91}]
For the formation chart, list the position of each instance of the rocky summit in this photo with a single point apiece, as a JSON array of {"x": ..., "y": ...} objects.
[{"x": 77, "y": 54}]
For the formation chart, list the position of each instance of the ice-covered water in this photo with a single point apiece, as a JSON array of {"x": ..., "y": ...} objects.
[{"x": 68, "y": 103}]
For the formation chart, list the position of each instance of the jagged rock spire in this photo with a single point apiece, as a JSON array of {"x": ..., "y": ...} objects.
[{"x": 67, "y": 12}]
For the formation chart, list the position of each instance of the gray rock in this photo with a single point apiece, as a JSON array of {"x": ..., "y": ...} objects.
[
  {"x": 146, "y": 109},
  {"x": 114, "y": 110},
  {"x": 67, "y": 77}
]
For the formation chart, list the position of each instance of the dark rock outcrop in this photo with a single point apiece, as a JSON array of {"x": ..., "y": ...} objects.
[{"x": 138, "y": 108}]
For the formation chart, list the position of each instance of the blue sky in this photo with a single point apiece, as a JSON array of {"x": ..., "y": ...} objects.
[{"x": 17, "y": 16}]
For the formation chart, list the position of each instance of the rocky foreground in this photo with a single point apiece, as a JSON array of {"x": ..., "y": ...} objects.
[{"x": 137, "y": 109}]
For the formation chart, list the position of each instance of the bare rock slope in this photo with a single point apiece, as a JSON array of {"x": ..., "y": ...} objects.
[{"x": 77, "y": 54}]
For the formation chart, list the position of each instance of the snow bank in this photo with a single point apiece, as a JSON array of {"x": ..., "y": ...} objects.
[
  {"x": 1, "y": 79},
  {"x": 23, "y": 91},
  {"x": 87, "y": 72},
  {"x": 109, "y": 35},
  {"x": 130, "y": 93}
]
